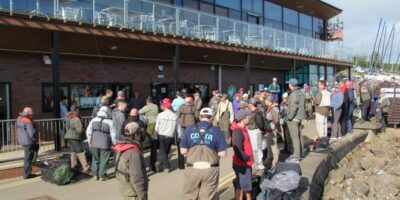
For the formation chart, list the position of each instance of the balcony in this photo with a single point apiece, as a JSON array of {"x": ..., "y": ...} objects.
[{"x": 172, "y": 20}]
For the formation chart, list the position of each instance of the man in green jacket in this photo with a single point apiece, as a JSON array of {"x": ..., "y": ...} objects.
[
  {"x": 75, "y": 135},
  {"x": 294, "y": 116},
  {"x": 364, "y": 92}
]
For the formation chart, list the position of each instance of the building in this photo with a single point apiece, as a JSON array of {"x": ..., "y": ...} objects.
[{"x": 158, "y": 47}]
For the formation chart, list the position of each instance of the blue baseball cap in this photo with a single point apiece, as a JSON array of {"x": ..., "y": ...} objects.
[{"x": 292, "y": 81}]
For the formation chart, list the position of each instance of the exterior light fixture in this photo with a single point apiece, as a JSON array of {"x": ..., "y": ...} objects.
[
  {"x": 46, "y": 60},
  {"x": 114, "y": 47}
]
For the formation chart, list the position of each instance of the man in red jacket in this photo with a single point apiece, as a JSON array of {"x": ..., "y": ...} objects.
[{"x": 243, "y": 155}]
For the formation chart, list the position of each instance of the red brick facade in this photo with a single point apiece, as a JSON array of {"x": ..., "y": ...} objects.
[{"x": 26, "y": 72}]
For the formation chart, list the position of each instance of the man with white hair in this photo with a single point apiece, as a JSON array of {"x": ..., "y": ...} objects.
[
  {"x": 275, "y": 89},
  {"x": 101, "y": 135},
  {"x": 28, "y": 138}
]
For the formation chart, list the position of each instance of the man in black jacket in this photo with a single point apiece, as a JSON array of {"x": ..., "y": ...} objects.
[
  {"x": 256, "y": 131},
  {"x": 134, "y": 117}
]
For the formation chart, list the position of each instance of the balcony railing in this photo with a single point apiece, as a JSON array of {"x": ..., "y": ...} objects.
[{"x": 168, "y": 19}]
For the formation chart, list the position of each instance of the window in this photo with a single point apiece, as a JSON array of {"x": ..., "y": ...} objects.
[
  {"x": 221, "y": 11},
  {"x": 86, "y": 95},
  {"x": 272, "y": 11},
  {"x": 235, "y": 14},
  {"x": 305, "y": 25},
  {"x": 273, "y": 15},
  {"x": 206, "y": 7},
  {"x": 253, "y": 6},
  {"x": 47, "y": 96},
  {"x": 193, "y": 4},
  {"x": 253, "y": 19},
  {"x": 234, "y": 4},
  {"x": 290, "y": 20},
  {"x": 317, "y": 27}
]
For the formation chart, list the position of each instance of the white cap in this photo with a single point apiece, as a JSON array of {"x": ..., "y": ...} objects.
[
  {"x": 274, "y": 79},
  {"x": 207, "y": 111},
  {"x": 285, "y": 95}
]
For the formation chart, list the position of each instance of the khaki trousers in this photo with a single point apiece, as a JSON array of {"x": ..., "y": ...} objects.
[
  {"x": 273, "y": 151},
  {"x": 201, "y": 184},
  {"x": 82, "y": 159}
]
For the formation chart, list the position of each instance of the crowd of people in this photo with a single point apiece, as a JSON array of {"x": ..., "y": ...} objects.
[{"x": 252, "y": 125}]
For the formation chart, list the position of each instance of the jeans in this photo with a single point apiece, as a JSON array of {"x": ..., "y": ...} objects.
[
  {"x": 349, "y": 122},
  {"x": 165, "y": 149},
  {"x": 28, "y": 158},
  {"x": 381, "y": 119},
  {"x": 99, "y": 161},
  {"x": 336, "y": 125},
  {"x": 297, "y": 138}
]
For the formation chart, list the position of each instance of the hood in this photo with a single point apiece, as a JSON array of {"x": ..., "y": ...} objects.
[
  {"x": 123, "y": 146},
  {"x": 71, "y": 115},
  {"x": 103, "y": 112},
  {"x": 235, "y": 126},
  {"x": 23, "y": 114}
]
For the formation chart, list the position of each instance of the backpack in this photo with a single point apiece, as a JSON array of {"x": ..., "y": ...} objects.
[
  {"x": 59, "y": 171},
  {"x": 187, "y": 118},
  {"x": 255, "y": 182}
]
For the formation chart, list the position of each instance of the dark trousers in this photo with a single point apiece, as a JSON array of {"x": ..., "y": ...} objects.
[
  {"x": 165, "y": 149},
  {"x": 296, "y": 137},
  {"x": 345, "y": 117},
  {"x": 349, "y": 122},
  {"x": 153, "y": 154},
  {"x": 336, "y": 130},
  {"x": 381, "y": 119},
  {"x": 28, "y": 158},
  {"x": 100, "y": 161},
  {"x": 365, "y": 109}
]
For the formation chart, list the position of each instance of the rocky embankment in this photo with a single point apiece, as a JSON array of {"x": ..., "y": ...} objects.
[{"x": 370, "y": 171}]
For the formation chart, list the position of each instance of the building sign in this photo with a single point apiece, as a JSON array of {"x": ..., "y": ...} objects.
[
  {"x": 88, "y": 102},
  {"x": 231, "y": 92}
]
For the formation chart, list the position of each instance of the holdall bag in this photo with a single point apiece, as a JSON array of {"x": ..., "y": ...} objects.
[
  {"x": 286, "y": 166},
  {"x": 255, "y": 182}
]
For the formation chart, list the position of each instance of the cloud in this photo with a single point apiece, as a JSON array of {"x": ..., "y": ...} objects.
[{"x": 361, "y": 20}]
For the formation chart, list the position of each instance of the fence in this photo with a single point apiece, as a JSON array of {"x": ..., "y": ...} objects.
[{"x": 47, "y": 130}]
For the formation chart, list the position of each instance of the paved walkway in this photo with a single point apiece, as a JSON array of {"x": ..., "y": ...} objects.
[{"x": 165, "y": 186}]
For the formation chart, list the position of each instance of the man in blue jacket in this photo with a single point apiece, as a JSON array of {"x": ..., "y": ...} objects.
[
  {"x": 28, "y": 138},
  {"x": 336, "y": 105}
]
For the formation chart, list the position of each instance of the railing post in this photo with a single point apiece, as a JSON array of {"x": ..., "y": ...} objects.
[
  {"x": 125, "y": 13},
  {"x": 154, "y": 17},
  {"x": 177, "y": 22},
  {"x": 11, "y": 7},
  {"x": 217, "y": 29},
  {"x": 94, "y": 11},
  {"x": 55, "y": 52}
]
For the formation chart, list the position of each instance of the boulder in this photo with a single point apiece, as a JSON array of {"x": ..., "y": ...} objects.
[
  {"x": 372, "y": 163},
  {"x": 361, "y": 189}
]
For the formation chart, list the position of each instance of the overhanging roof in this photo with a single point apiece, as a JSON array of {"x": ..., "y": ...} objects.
[{"x": 316, "y": 8}]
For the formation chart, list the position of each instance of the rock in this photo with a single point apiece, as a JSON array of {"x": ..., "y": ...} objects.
[
  {"x": 361, "y": 189},
  {"x": 348, "y": 174},
  {"x": 333, "y": 192},
  {"x": 367, "y": 126},
  {"x": 372, "y": 163},
  {"x": 385, "y": 186},
  {"x": 378, "y": 152}
]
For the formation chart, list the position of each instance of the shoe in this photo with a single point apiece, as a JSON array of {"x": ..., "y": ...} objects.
[
  {"x": 105, "y": 178},
  {"x": 30, "y": 176},
  {"x": 169, "y": 170},
  {"x": 95, "y": 178}
]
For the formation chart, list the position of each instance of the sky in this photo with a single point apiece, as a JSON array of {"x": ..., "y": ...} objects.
[{"x": 361, "y": 21}]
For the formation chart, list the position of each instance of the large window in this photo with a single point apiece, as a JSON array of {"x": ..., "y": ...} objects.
[
  {"x": 193, "y": 4},
  {"x": 253, "y": 6},
  {"x": 206, "y": 7},
  {"x": 234, "y": 4},
  {"x": 273, "y": 15},
  {"x": 290, "y": 20},
  {"x": 221, "y": 11},
  {"x": 86, "y": 95},
  {"x": 318, "y": 25},
  {"x": 305, "y": 25}
]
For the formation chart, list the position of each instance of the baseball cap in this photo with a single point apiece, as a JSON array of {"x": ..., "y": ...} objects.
[
  {"x": 292, "y": 81},
  {"x": 166, "y": 103},
  {"x": 131, "y": 128},
  {"x": 241, "y": 114},
  {"x": 241, "y": 89},
  {"x": 285, "y": 95},
  {"x": 207, "y": 111},
  {"x": 274, "y": 79}
]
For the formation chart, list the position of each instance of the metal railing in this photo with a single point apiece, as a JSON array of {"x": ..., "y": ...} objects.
[
  {"x": 47, "y": 128},
  {"x": 168, "y": 19}
]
